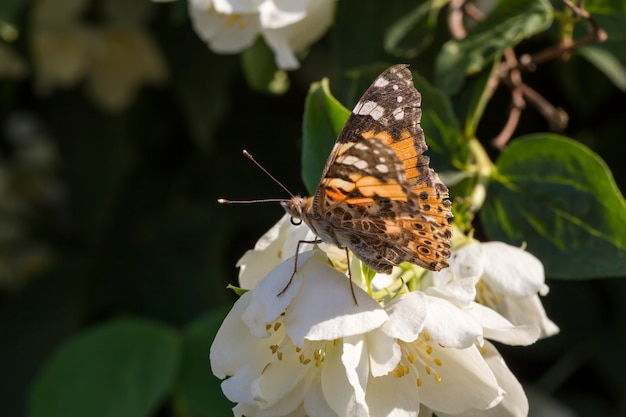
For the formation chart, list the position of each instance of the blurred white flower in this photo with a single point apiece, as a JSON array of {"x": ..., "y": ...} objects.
[
  {"x": 287, "y": 26},
  {"x": 115, "y": 57}
]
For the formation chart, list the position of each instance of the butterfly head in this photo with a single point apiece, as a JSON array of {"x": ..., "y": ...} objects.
[{"x": 298, "y": 208}]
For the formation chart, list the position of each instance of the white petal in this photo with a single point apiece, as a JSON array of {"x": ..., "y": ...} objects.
[
  {"x": 286, "y": 40},
  {"x": 279, "y": 13},
  {"x": 324, "y": 308},
  {"x": 529, "y": 311},
  {"x": 266, "y": 305},
  {"x": 337, "y": 390},
  {"x": 496, "y": 327},
  {"x": 390, "y": 396},
  {"x": 511, "y": 270},
  {"x": 315, "y": 404},
  {"x": 233, "y": 346},
  {"x": 284, "y": 55},
  {"x": 466, "y": 382},
  {"x": 276, "y": 245},
  {"x": 450, "y": 326},
  {"x": 384, "y": 352},
  {"x": 233, "y": 6},
  {"x": 355, "y": 358},
  {"x": 407, "y": 315},
  {"x": 514, "y": 403},
  {"x": 283, "y": 385},
  {"x": 460, "y": 292},
  {"x": 225, "y": 33},
  {"x": 467, "y": 261}
]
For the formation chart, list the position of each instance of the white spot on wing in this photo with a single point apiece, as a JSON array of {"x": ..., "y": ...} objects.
[
  {"x": 383, "y": 169},
  {"x": 398, "y": 113},
  {"x": 370, "y": 108},
  {"x": 354, "y": 161},
  {"x": 395, "y": 87},
  {"x": 361, "y": 146},
  {"x": 400, "y": 98},
  {"x": 380, "y": 82}
]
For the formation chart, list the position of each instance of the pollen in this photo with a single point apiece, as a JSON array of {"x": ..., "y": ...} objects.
[
  {"x": 486, "y": 296},
  {"x": 235, "y": 19}
]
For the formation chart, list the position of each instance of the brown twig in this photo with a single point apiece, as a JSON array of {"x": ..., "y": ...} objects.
[
  {"x": 510, "y": 69},
  {"x": 455, "y": 19}
]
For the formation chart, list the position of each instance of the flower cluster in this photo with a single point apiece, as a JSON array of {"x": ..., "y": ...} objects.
[
  {"x": 287, "y": 26},
  {"x": 396, "y": 352}
]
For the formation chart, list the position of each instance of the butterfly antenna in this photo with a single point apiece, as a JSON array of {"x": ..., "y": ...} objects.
[
  {"x": 246, "y": 153},
  {"x": 265, "y": 200}
]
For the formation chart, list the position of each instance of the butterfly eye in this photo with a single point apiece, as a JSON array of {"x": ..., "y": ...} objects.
[{"x": 295, "y": 221}]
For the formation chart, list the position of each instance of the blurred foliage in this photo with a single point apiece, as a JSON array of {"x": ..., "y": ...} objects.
[{"x": 120, "y": 128}]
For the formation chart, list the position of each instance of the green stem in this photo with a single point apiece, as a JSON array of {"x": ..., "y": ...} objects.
[{"x": 484, "y": 172}]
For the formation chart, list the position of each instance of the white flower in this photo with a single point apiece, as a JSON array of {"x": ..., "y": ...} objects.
[
  {"x": 287, "y": 26},
  {"x": 285, "y": 352},
  {"x": 508, "y": 281},
  {"x": 312, "y": 351}
]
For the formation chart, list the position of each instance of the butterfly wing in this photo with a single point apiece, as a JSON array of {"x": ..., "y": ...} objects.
[{"x": 377, "y": 195}]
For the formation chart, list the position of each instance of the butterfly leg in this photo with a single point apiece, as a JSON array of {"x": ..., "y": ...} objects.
[
  {"x": 350, "y": 276},
  {"x": 295, "y": 263}
]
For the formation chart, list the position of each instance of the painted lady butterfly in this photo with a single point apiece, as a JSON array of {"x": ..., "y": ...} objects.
[{"x": 377, "y": 196}]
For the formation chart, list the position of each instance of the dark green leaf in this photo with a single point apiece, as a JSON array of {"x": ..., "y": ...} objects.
[
  {"x": 507, "y": 25},
  {"x": 560, "y": 198},
  {"x": 606, "y": 62},
  {"x": 473, "y": 99},
  {"x": 259, "y": 67},
  {"x": 10, "y": 12},
  {"x": 324, "y": 118},
  {"x": 198, "y": 393},
  {"x": 124, "y": 368},
  {"x": 412, "y": 32},
  {"x": 440, "y": 125}
]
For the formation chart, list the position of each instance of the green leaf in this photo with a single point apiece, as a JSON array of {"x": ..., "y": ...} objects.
[
  {"x": 10, "y": 11},
  {"x": 413, "y": 32},
  {"x": 324, "y": 118},
  {"x": 259, "y": 67},
  {"x": 560, "y": 198},
  {"x": 441, "y": 126},
  {"x": 507, "y": 25},
  {"x": 125, "y": 368},
  {"x": 606, "y": 62},
  {"x": 198, "y": 393},
  {"x": 473, "y": 99}
]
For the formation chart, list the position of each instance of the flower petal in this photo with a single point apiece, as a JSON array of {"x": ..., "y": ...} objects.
[
  {"x": 390, "y": 396},
  {"x": 225, "y": 33},
  {"x": 385, "y": 353},
  {"x": 266, "y": 305},
  {"x": 449, "y": 326},
  {"x": 528, "y": 311},
  {"x": 511, "y": 270},
  {"x": 280, "y": 13},
  {"x": 496, "y": 327},
  {"x": 463, "y": 376},
  {"x": 324, "y": 308},
  {"x": 338, "y": 391},
  {"x": 407, "y": 315}
]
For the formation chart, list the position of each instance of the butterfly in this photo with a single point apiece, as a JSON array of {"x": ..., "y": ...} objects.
[{"x": 377, "y": 195}]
